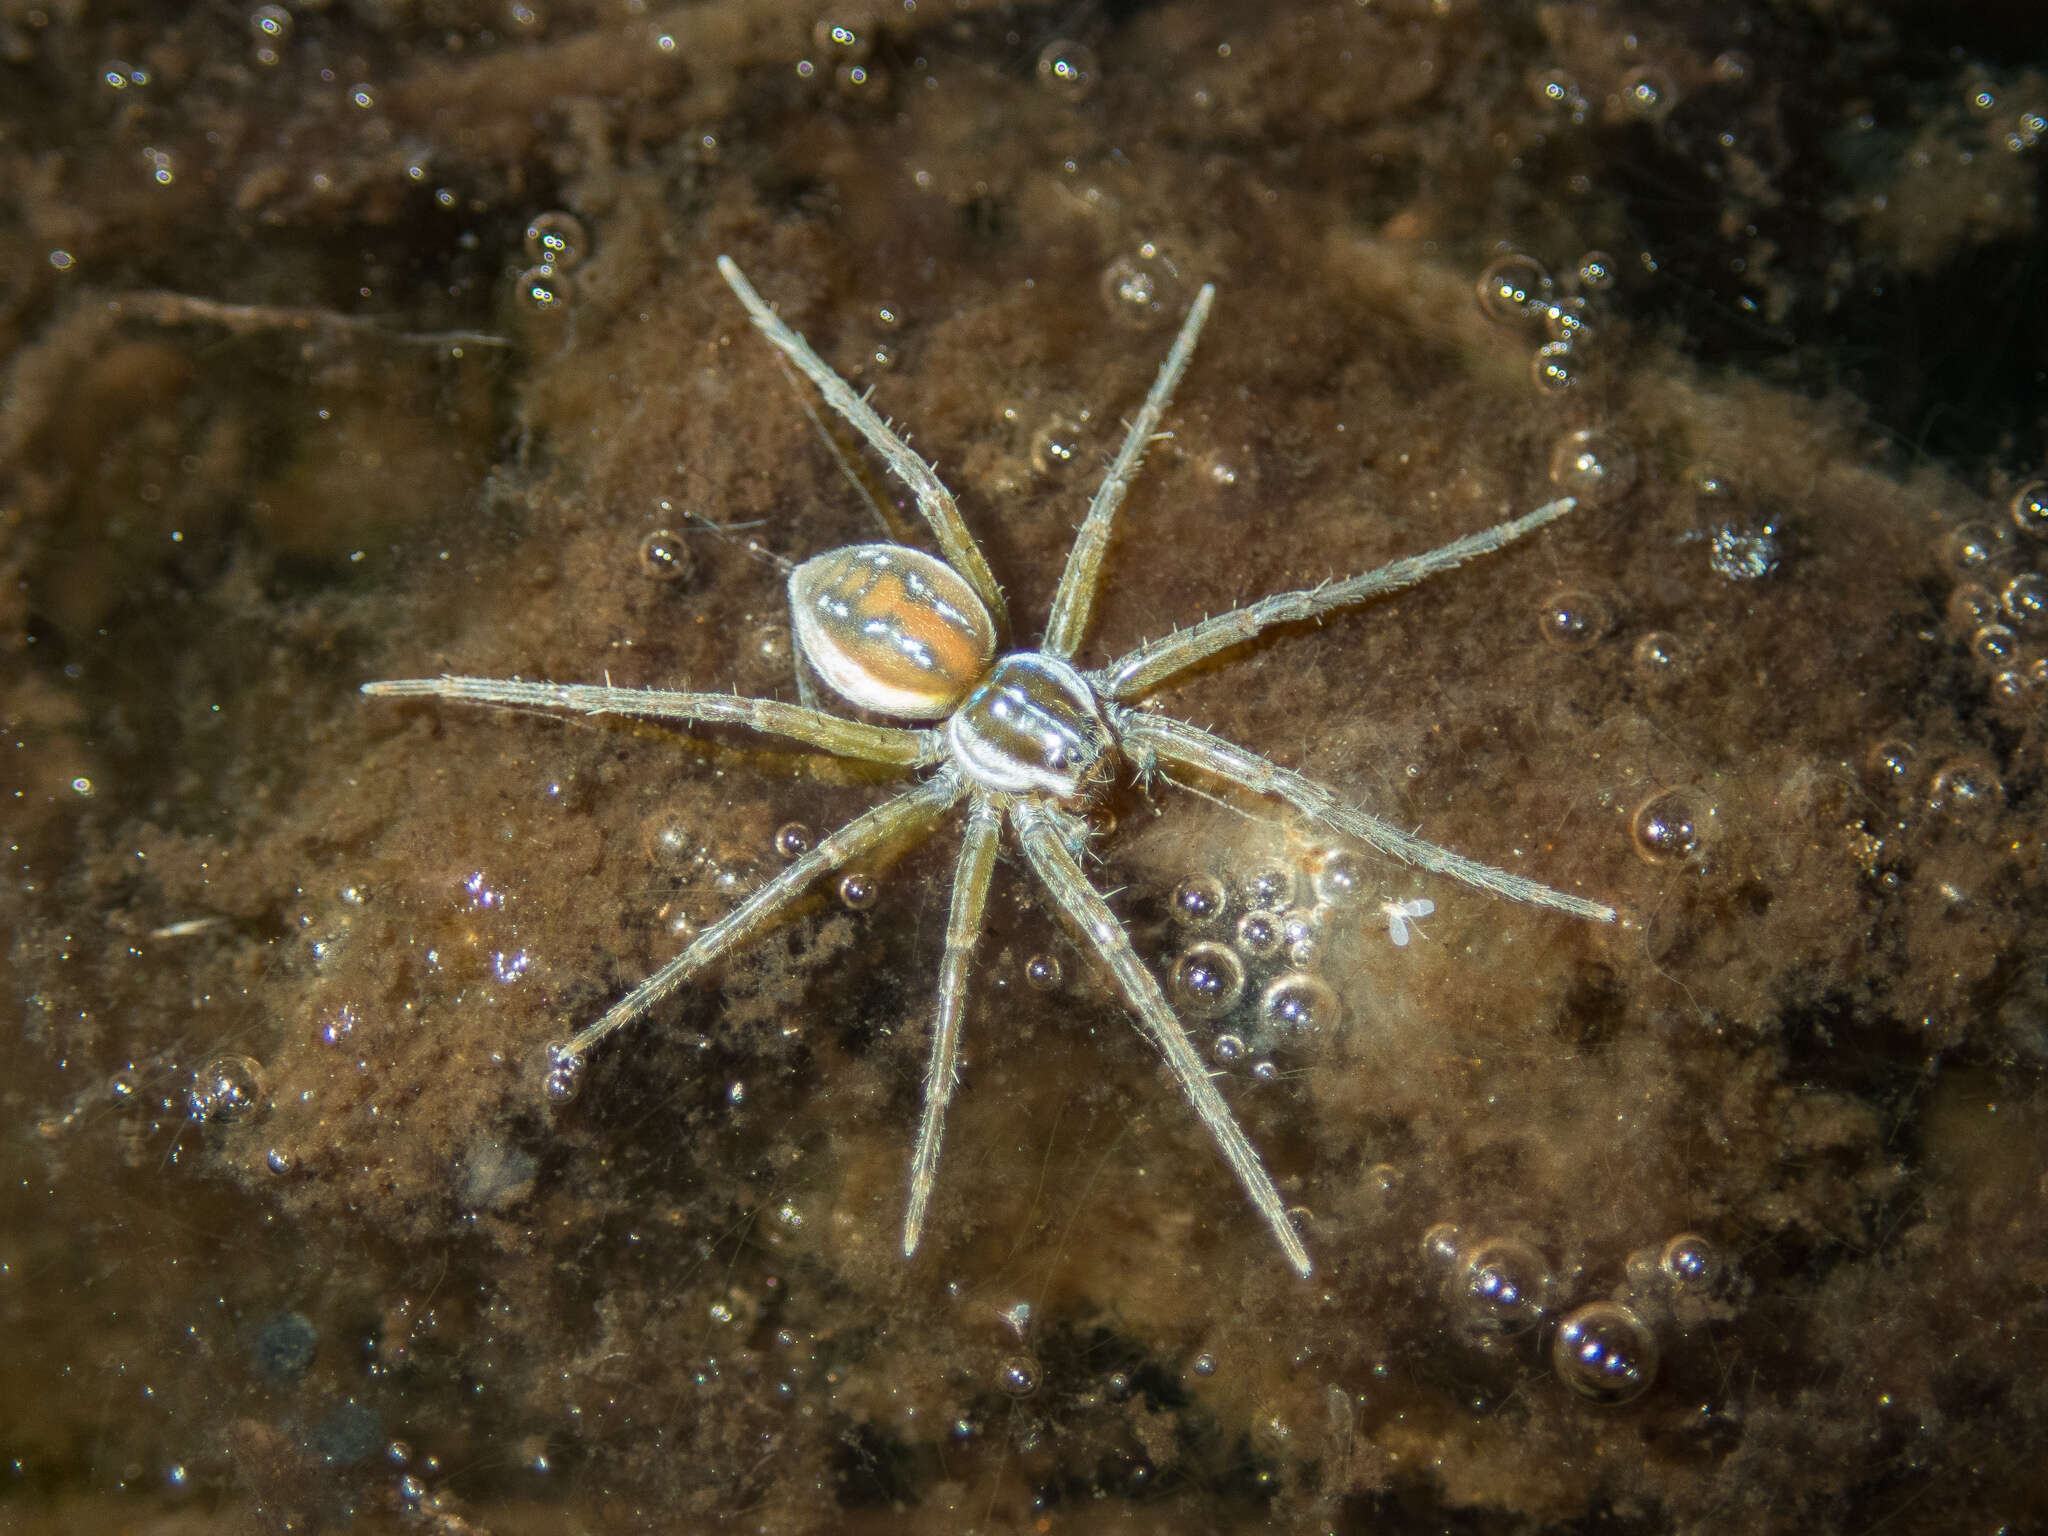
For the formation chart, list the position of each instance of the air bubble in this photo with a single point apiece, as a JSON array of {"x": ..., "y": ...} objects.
[
  {"x": 124, "y": 1089},
  {"x": 1143, "y": 289},
  {"x": 1502, "y": 1287},
  {"x": 1573, "y": 620},
  {"x": 556, "y": 239},
  {"x": 1044, "y": 972},
  {"x": 1597, "y": 465},
  {"x": 362, "y": 96},
  {"x": 665, "y": 556},
  {"x": 1966, "y": 790},
  {"x": 1558, "y": 91},
  {"x": 1298, "y": 1003},
  {"x": 1259, "y": 934},
  {"x": 565, "y": 1074},
  {"x": 271, "y": 24},
  {"x": 1017, "y": 1376},
  {"x": 1690, "y": 1262},
  {"x": 1567, "y": 320},
  {"x": 542, "y": 289},
  {"x": 1056, "y": 448},
  {"x": 2012, "y": 687},
  {"x": 2029, "y": 508},
  {"x": 1514, "y": 289},
  {"x": 1271, "y": 887},
  {"x": 1995, "y": 647},
  {"x": 848, "y": 38},
  {"x": 2025, "y": 601},
  {"x": 1660, "y": 657},
  {"x": 1665, "y": 827},
  {"x": 858, "y": 892},
  {"x": 228, "y": 1090},
  {"x": 1068, "y": 69},
  {"x": 1647, "y": 94},
  {"x": 1207, "y": 979},
  {"x": 793, "y": 840},
  {"x": 1228, "y": 1049},
  {"x": 1971, "y": 605},
  {"x": 1440, "y": 1244},
  {"x": 1203, "y": 1364},
  {"x": 1340, "y": 877},
  {"x": 1975, "y": 546},
  {"x": 1889, "y": 764},
  {"x": 1552, "y": 369},
  {"x": 1199, "y": 901},
  {"x": 1605, "y": 1352},
  {"x": 1265, "y": 1071},
  {"x": 1732, "y": 67}
]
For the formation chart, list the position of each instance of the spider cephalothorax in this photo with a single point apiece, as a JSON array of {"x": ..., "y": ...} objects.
[{"x": 1027, "y": 740}]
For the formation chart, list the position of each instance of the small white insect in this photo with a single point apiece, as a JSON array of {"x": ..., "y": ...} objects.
[
  {"x": 1023, "y": 737},
  {"x": 1401, "y": 913}
]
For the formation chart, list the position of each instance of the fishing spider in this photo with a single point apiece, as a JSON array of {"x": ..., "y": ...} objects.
[{"x": 1023, "y": 737}]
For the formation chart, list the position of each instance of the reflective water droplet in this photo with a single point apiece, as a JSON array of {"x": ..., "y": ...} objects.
[
  {"x": 1573, "y": 619},
  {"x": 1206, "y": 979},
  {"x": 1199, "y": 901},
  {"x": 1666, "y": 827},
  {"x": 1514, "y": 289},
  {"x": 228, "y": 1090},
  {"x": 1501, "y": 1287},
  {"x": 1259, "y": 934},
  {"x": 565, "y": 1074},
  {"x": 1017, "y": 1376},
  {"x": 1974, "y": 546},
  {"x": 1604, "y": 1352},
  {"x": 1298, "y": 1002},
  {"x": 1056, "y": 448},
  {"x": 1890, "y": 764},
  {"x": 1044, "y": 972},
  {"x": 2029, "y": 507},
  {"x": 2025, "y": 601},
  {"x": 1994, "y": 647},
  {"x": 1647, "y": 94},
  {"x": 556, "y": 239},
  {"x": 1068, "y": 69},
  {"x": 665, "y": 556},
  {"x": 858, "y": 892},
  {"x": 1552, "y": 369},
  {"x": 1340, "y": 877},
  {"x": 1595, "y": 464},
  {"x": 793, "y": 840},
  {"x": 1967, "y": 791},
  {"x": 1691, "y": 1262},
  {"x": 1597, "y": 272},
  {"x": 542, "y": 289}
]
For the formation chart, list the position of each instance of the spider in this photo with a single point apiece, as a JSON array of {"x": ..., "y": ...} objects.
[{"x": 1024, "y": 738}]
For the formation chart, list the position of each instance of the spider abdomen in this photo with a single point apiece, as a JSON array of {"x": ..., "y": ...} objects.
[
  {"x": 1035, "y": 727},
  {"x": 891, "y": 629}
]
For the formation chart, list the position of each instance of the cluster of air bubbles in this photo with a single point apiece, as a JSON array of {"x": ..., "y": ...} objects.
[
  {"x": 1557, "y": 91},
  {"x": 556, "y": 243},
  {"x": 1517, "y": 290},
  {"x": 842, "y": 48},
  {"x": 2016, "y": 127},
  {"x": 1145, "y": 288},
  {"x": 1998, "y": 607},
  {"x": 1496, "y": 1288},
  {"x": 1256, "y": 944},
  {"x": 1962, "y": 793},
  {"x": 1068, "y": 69},
  {"x": 228, "y": 1090},
  {"x": 1742, "y": 543},
  {"x": 120, "y": 76},
  {"x": 1057, "y": 446},
  {"x": 665, "y": 556},
  {"x": 563, "y": 1078}
]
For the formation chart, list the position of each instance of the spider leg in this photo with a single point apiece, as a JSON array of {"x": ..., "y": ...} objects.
[
  {"x": 890, "y": 819},
  {"x": 1185, "y": 746},
  {"x": 963, "y": 926},
  {"x": 813, "y": 727},
  {"x": 1131, "y": 677},
  {"x": 1067, "y": 626},
  {"x": 934, "y": 501},
  {"x": 1038, "y": 830}
]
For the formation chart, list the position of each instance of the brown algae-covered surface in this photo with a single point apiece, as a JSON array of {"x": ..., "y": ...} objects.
[{"x": 346, "y": 342}]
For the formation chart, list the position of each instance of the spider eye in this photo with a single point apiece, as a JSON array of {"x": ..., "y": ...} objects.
[{"x": 891, "y": 629}]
